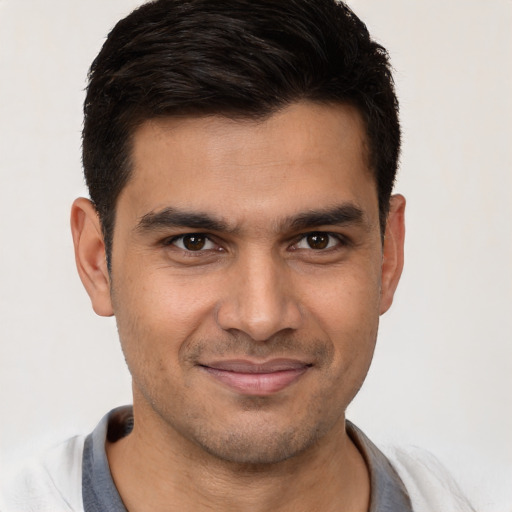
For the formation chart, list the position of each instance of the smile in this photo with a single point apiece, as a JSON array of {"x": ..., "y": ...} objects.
[{"x": 257, "y": 379}]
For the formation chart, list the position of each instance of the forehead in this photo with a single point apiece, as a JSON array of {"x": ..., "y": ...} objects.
[{"x": 302, "y": 157}]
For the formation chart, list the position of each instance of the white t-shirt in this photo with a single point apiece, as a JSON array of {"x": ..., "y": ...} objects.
[{"x": 75, "y": 477}]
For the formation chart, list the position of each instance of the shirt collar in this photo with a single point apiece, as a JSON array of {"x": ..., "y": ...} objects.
[{"x": 388, "y": 492}]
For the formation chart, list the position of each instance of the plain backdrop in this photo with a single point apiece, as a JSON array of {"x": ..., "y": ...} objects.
[{"x": 442, "y": 373}]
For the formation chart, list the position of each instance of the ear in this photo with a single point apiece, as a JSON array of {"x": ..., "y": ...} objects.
[
  {"x": 90, "y": 256},
  {"x": 393, "y": 251}
]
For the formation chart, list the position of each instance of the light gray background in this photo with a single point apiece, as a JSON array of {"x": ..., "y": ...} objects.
[{"x": 442, "y": 374}]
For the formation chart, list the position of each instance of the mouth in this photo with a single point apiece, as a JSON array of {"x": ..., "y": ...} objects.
[{"x": 256, "y": 378}]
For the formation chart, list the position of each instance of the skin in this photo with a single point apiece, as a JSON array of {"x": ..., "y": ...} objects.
[{"x": 287, "y": 264}]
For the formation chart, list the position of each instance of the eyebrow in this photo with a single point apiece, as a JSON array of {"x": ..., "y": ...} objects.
[
  {"x": 172, "y": 218},
  {"x": 339, "y": 215},
  {"x": 336, "y": 216}
]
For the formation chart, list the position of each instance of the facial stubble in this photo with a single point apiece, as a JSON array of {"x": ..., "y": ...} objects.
[{"x": 250, "y": 430}]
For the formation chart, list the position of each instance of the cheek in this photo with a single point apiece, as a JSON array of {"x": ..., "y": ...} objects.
[
  {"x": 157, "y": 311},
  {"x": 347, "y": 301},
  {"x": 346, "y": 309}
]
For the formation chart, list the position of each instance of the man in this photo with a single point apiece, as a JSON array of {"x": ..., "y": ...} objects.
[{"x": 240, "y": 158}]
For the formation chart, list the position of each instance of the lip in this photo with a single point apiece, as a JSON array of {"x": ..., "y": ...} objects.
[{"x": 256, "y": 378}]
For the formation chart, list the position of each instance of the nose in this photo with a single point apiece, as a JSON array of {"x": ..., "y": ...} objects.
[{"x": 259, "y": 299}]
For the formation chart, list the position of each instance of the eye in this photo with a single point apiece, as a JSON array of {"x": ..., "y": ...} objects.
[
  {"x": 318, "y": 241},
  {"x": 193, "y": 242}
]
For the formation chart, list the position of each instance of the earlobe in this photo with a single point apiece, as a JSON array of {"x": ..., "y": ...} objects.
[
  {"x": 90, "y": 255},
  {"x": 393, "y": 251}
]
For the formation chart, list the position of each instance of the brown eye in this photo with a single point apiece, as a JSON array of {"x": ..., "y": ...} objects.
[
  {"x": 318, "y": 240},
  {"x": 199, "y": 243},
  {"x": 194, "y": 242}
]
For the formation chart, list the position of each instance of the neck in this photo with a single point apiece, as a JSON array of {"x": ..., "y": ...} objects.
[{"x": 152, "y": 471}]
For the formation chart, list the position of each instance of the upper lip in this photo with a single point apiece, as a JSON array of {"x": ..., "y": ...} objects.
[{"x": 245, "y": 366}]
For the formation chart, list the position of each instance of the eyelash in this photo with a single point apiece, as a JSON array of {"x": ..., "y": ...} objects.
[
  {"x": 172, "y": 241},
  {"x": 340, "y": 241}
]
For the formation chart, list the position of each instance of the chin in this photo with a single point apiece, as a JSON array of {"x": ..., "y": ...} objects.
[{"x": 259, "y": 446}]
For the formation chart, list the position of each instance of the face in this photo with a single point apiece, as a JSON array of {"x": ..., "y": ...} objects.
[{"x": 248, "y": 276}]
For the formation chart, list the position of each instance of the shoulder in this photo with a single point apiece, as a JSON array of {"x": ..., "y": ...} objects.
[
  {"x": 49, "y": 483},
  {"x": 429, "y": 484}
]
